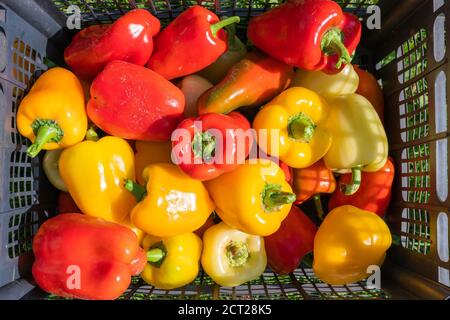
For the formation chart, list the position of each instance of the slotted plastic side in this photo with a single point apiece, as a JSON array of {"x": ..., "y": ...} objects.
[{"x": 413, "y": 67}]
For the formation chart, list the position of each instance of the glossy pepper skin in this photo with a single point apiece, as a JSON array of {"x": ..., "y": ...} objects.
[
  {"x": 172, "y": 262},
  {"x": 299, "y": 118},
  {"x": 327, "y": 85},
  {"x": 216, "y": 144},
  {"x": 371, "y": 90},
  {"x": 135, "y": 103},
  {"x": 53, "y": 114},
  {"x": 286, "y": 248},
  {"x": 359, "y": 139},
  {"x": 374, "y": 193},
  {"x": 196, "y": 28},
  {"x": 94, "y": 173},
  {"x": 251, "y": 82},
  {"x": 129, "y": 38},
  {"x": 106, "y": 254},
  {"x": 308, "y": 34},
  {"x": 231, "y": 257},
  {"x": 236, "y": 52},
  {"x": 178, "y": 203},
  {"x": 255, "y": 198},
  {"x": 148, "y": 152},
  {"x": 348, "y": 241},
  {"x": 313, "y": 180}
]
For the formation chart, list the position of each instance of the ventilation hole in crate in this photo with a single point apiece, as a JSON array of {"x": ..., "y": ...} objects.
[
  {"x": 414, "y": 111},
  {"x": 415, "y": 174},
  {"x": 415, "y": 230},
  {"x": 22, "y": 228},
  {"x": 412, "y": 57},
  {"x": 26, "y": 62},
  {"x": 22, "y": 191}
]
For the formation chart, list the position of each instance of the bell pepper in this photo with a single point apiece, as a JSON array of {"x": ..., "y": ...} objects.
[
  {"x": 374, "y": 193},
  {"x": 94, "y": 173},
  {"x": 251, "y": 82},
  {"x": 83, "y": 257},
  {"x": 171, "y": 204},
  {"x": 231, "y": 257},
  {"x": 53, "y": 114},
  {"x": 50, "y": 164},
  {"x": 129, "y": 38},
  {"x": 141, "y": 106},
  {"x": 312, "y": 181},
  {"x": 359, "y": 139},
  {"x": 348, "y": 241},
  {"x": 327, "y": 85},
  {"x": 309, "y": 34},
  {"x": 191, "y": 42},
  {"x": 66, "y": 204},
  {"x": 193, "y": 87},
  {"x": 286, "y": 248},
  {"x": 371, "y": 90},
  {"x": 172, "y": 262},
  {"x": 296, "y": 127},
  {"x": 255, "y": 198},
  {"x": 212, "y": 144},
  {"x": 151, "y": 152},
  {"x": 236, "y": 52}
]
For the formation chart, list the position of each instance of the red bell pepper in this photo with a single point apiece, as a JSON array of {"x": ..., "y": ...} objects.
[
  {"x": 130, "y": 39},
  {"x": 190, "y": 43},
  {"x": 79, "y": 256},
  {"x": 135, "y": 103},
  {"x": 294, "y": 239},
  {"x": 66, "y": 204},
  {"x": 218, "y": 146},
  {"x": 373, "y": 195},
  {"x": 309, "y": 34}
]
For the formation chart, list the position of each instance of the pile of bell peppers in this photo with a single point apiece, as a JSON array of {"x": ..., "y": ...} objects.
[{"x": 135, "y": 131}]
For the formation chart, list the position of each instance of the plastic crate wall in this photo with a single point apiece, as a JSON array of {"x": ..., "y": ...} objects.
[
  {"x": 22, "y": 209},
  {"x": 300, "y": 285},
  {"x": 413, "y": 67}
]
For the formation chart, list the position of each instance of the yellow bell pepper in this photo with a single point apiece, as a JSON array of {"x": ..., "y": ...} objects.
[
  {"x": 328, "y": 85},
  {"x": 94, "y": 173},
  {"x": 255, "y": 198},
  {"x": 151, "y": 152},
  {"x": 172, "y": 202},
  {"x": 359, "y": 139},
  {"x": 172, "y": 262},
  {"x": 231, "y": 257},
  {"x": 139, "y": 233},
  {"x": 348, "y": 241},
  {"x": 53, "y": 114},
  {"x": 295, "y": 124}
]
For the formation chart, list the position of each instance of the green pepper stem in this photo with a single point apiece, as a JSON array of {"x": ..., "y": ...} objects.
[
  {"x": 301, "y": 127},
  {"x": 237, "y": 253},
  {"x": 138, "y": 191},
  {"x": 319, "y": 207},
  {"x": 204, "y": 145},
  {"x": 274, "y": 198},
  {"x": 223, "y": 23},
  {"x": 353, "y": 186},
  {"x": 332, "y": 43},
  {"x": 92, "y": 135},
  {"x": 45, "y": 131},
  {"x": 156, "y": 254}
]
